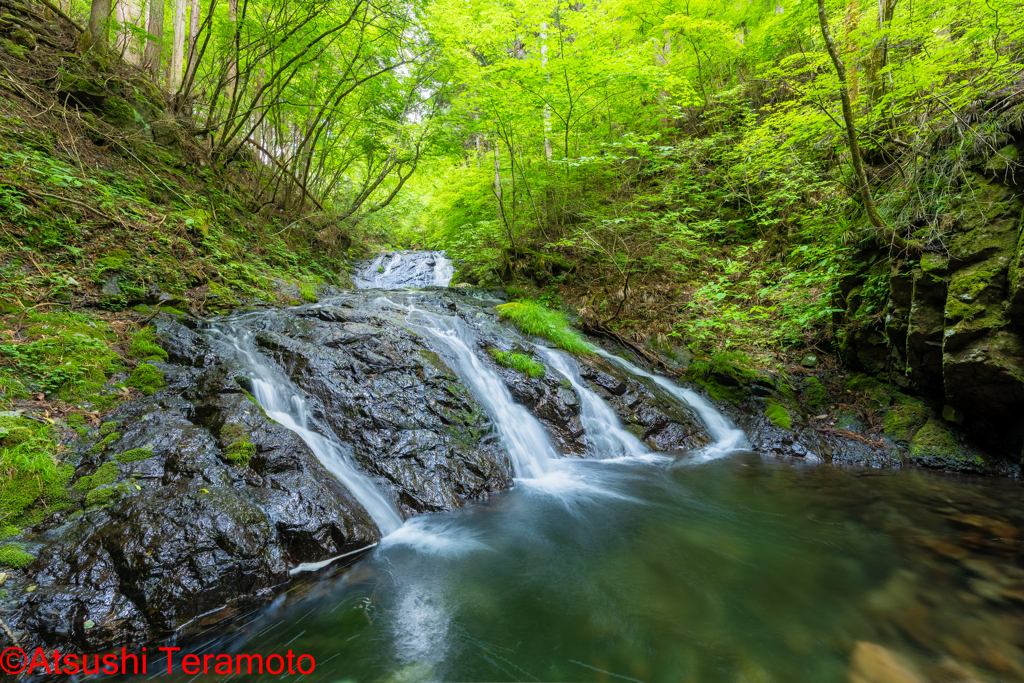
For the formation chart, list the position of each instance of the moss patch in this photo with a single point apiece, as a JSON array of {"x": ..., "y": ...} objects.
[
  {"x": 902, "y": 422},
  {"x": 134, "y": 455},
  {"x": 12, "y": 556},
  {"x": 104, "y": 443},
  {"x": 815, "y": 396},
  {"x": 144, "y": 346},
  {"x": 935, "y": 445},
  {"x": 533, "y": 318},
  {"x": 104, "y": 495},
  {"x": 877, "y": 394},
  {"x": 777, "y": 413},
  {"x": 308, "y": 293},
  {"x": 147, "y": 378},
  {"x": 32, "y": 480},
  {"x": 518, "y": 361},
  {"x": 106, "y": 474}
]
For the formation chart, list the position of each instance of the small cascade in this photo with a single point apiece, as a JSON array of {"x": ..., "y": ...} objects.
[
  {"x": 399, "y": 269},
  {"x": 727, "y": 437},
  {"x": 600, "y": 423},
  {"x": 523, "y": 437},
  {"x": 282, "y": 401}
]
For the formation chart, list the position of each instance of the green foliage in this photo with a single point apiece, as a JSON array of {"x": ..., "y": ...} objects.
[
  {"x": 518, "y": 361},
  {"x": 308, "y": 293},
  {"x": 240, "y": 452},
  {"x": 815, "y": 396},
  {"x": 147, "y": 378},
  {"x": 13, "y": 556},
  {"x": 134, "y": 455},
  {"x": 533, "y": 318},
  {"x": 144, "y": 346},
  {"x": 31, "y": 477}
]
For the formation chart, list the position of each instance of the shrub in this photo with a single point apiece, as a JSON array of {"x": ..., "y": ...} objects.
[{"x": 533, "y": 318}]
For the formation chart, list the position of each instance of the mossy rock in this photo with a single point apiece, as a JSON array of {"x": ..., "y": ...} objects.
[
  {"x": 102, "y": 496},
  {"x": 24, "y": 38},
  {"x": 240, "y": 453},
  {"x": 877, "y": 394},
  {"x": 779, "y": 415},
  {"x": 147, "y": 378},
  {"x": 13, "y": 556},
  {"x": 144, "y": 346},
  {"x": 106, "y": 474},
  {"x": 814, "y": 395},
  {"x": 105, "y": 442},
  {"x": 118, "y": 113},
  {"x": 134, "y": 455},
  {"x": 935, "y": 445},
  {"x": 902, "y": 422}
]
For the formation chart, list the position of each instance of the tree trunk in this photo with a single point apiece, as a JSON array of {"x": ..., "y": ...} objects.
[
  {"x": 99, "y": 15},
  {"x": 129, "y": 12},
  {"x": 194, "y": 21},
  {"x": 851, "y": 25},
  {"x": 851, "y": 130},
  {"x": 548, "y": 150},
  {"x": 177, "y": 45},
  {"x": 155, "y": 44}
]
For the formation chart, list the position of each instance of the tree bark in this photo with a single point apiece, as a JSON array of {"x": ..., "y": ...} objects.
[
  {"x": 129, "y": 12},
  {"x": 851, "y": 130},
  {"x": 194, "y": 22},
  {"x": 99, "y": 14},
  {"x": 155, "y": 43},
  {"x": 548, "y": 150},
  {"x": 177, "y": 45}
]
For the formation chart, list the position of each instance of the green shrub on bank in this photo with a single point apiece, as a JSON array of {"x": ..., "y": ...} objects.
[{"x": 533, "y": 318}]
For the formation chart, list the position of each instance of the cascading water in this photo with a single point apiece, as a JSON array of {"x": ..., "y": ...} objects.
[
  {"x": 600, "y": 423},
  {"x": 285, "y": 405},
  {"x": 397, "y": 270},
  {"x": 521, "y": 434},
  {"x": 727, "y": 437}
]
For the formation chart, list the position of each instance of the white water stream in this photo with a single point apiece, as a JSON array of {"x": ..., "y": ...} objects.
[{"x": 285, "y": 405}]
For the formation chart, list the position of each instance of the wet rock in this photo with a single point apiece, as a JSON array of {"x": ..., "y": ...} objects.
[
  {"x": 871, "y": 663},
  {"x": 809, "y": 361},
  {"x": 110, "y": 287},
  {"x": 184, "y": 530}
]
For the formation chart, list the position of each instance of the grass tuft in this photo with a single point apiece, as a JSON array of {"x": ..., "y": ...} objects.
[
  {"x": 518, "y": 361},
  {"x": 533, "y": 318}
]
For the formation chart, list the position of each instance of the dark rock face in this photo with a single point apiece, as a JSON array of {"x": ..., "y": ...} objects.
[
  {"x": 954, "y": 324},
  {"x": 186, "y": 531}
]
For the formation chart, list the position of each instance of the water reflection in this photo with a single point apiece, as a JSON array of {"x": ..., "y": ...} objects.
[{"x": 742, "y": 569}]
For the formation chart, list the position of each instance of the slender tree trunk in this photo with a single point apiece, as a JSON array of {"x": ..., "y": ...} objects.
[
  {"x": 548, "y": 150},
  {"x": 233, "y": 65},
  {"x": 194, "y": 22},
  {"x": 851, "y": 130},
  {"x": 851, "y": 25},
  {"x": 129, "y": 12},
  {"x": 174, "y": 73},
  {"x": 99, "y": 15},
  {"x": 155, "y": 44}
]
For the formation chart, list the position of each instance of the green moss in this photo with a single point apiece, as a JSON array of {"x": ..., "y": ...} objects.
[
  {"x": 147, "y": 378},
  {"x": 935, "y": 445},
  {"x": 533, "y": 318},
  {"x": 172, "y": 310},
  {"x": 240, "y": 452},
  {"x": 104, "y": 443},
  {"x": 877, "y": 394},
  {"x": 107, "y": 427},
  {"x": 12, "y": 556},
  {"x": 518, "y": 361},
  {"x": 902, "y": 422},
  {"x": 15, "y": 436},
  {"x": 102, "y": 496},
  {"x": 815, "y": 396},
  {"x": 699, "y": 370},
  {"x": 143, "y": 309},
  {"x": 32, "y": 479},
  {"x": 134, "y": 455},
  {"x": 144, "y": 346},
  {"x": 106, "y": 474},
  {"x": 8, "y": 530},
  {"x": 777, "y": 413},
  {"x": 308, "y": 293}
]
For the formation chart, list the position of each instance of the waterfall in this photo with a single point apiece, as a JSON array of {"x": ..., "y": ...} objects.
[
  {"x": 523, "y": 437},
  {"x": 600, "y": 423},
  {"x": 284, "y": 404},
  {"x": 443, "y": 270},
  {"x": 727, "y": 437}
]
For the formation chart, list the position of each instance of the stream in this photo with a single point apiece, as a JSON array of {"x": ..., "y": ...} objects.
[{"x": 714, "y": 565}]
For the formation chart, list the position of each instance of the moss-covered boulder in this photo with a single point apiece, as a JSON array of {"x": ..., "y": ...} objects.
[
  {"x": 902, "y": 422},
  {"x": 936, "y": 445}
]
